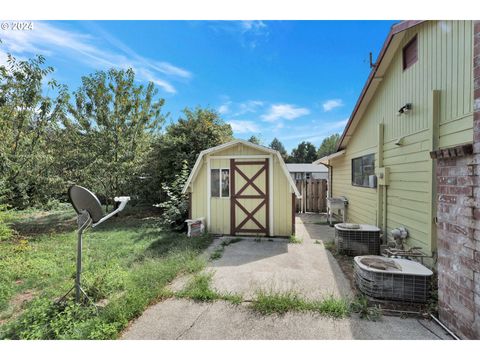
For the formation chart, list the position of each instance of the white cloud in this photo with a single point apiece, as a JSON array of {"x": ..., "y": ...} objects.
[
  {"x": 248, "y": 32},
  {"x": 284, "y": 111},
  {"x": 331, "y": 104},
  {"x": 50, "y": 40},
  {"x": 316, "y": 132},
  {"x": 250, "y": 106},
  {"x": 224, "y": 108},
  {"x": 243, "y": 126}
]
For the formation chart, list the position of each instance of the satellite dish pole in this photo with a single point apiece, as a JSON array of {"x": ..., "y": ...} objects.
[{"x": 89, "y": 213}]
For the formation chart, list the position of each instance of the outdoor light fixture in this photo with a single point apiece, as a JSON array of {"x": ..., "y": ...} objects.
[
  {"x": 89, "y": 212},
  {"x": 404, "y": 109}
]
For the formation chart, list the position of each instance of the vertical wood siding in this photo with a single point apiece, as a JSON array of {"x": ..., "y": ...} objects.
[{"x": 444, "y": 63}]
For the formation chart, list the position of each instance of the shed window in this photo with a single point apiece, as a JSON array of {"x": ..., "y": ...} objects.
[
  {"x": 362, "y": 168},
  {"x": 220, "y": 182},
  {"x": 410, "y": 53}
]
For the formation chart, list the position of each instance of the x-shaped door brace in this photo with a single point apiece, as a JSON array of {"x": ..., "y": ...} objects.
[{"x": 250, "y": 182}]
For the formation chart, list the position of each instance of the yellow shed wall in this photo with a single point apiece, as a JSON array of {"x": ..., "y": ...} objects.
[{"x": 220, "y": 207}]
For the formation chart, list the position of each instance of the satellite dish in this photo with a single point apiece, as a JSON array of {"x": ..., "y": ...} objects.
[
  {"x": 84, "y": 199},
  {"x": 89, "y": 213}
]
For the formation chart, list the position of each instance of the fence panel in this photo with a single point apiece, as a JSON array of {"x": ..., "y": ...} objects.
[{"x": 314, "y": 195}]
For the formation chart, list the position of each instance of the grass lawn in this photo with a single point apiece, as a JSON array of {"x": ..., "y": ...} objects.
[{"x": 128, "y": 261}]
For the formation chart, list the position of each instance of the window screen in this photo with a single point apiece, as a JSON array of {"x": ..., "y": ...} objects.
[
  {"x": 362, "y": 168},
  {"x": 410, "y": 53},
  {"x": 215, "y": 182}
]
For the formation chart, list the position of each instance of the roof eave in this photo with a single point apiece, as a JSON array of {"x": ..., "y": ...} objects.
[{"x": 395, "y": 29}]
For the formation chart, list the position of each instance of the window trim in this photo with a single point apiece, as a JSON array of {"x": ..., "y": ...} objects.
[
  {"x": 220, "y": 183},
  {"x": 352, "y": 171},
  {"x": 404, "y": 64}
]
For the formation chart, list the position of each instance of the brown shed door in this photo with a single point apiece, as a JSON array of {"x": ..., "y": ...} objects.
[{"x": 249, "y": 199}]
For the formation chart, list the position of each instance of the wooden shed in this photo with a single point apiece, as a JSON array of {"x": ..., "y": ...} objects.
[{"x": 241, "y": 188}]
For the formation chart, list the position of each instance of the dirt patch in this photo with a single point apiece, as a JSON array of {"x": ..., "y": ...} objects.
[{"x": 20, "y": 299}]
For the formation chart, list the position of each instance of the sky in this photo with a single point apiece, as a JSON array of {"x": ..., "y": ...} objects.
[{"x": 294, "y": 80}]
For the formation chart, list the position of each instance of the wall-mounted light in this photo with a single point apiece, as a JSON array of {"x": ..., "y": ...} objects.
[{"x": 404, "y": 109}]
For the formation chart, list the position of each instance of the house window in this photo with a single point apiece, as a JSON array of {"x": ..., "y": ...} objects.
[
  {"x": 362, "y": 168},
  {"x": 220, "y": 182},
  {"x": 410, "y": 53}
]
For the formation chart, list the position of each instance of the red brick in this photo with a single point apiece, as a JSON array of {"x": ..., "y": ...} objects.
[
  {"x": 449, "y": 199},
  {"x": 461, "y": 190},
  {"x": 464, "y": 180}
]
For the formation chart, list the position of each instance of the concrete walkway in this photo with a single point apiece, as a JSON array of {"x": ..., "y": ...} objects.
[{"x": 247, "y": 266}]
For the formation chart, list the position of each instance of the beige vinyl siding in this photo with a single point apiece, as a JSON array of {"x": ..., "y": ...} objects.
[
  {"x": 362, "y": 207},
  {"x": 220, "y": 206},
  {"x": 444, "y": 63},
  {"x": 199, "y": 193},
  {"x": 282, "y": 202}
]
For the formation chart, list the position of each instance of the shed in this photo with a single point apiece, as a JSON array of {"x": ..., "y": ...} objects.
[{"x": 241, "y": 188}]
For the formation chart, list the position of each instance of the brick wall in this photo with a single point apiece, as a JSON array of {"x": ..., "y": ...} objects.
[{"x": 458, "y": 229}]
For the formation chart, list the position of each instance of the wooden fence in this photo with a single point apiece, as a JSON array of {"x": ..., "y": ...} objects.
[{"x": 314, "y": 195}]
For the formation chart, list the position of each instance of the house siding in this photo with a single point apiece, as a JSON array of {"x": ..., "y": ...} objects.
[{"x": 444, "y": 64}]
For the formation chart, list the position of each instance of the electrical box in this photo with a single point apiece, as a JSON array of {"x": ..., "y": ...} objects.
[{"x": 383, "y": 176}]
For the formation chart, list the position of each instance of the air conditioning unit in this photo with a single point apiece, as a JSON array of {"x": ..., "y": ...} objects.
[
  {"x": 357, "y": 239},
  {"x": 392, "y": 279}
]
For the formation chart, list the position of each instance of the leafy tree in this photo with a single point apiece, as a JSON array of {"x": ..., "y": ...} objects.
[
  {"x": 277, "y": 145},
  {"x": 28, "y": 122},
  {"x": 114, "y": 121},
  {"x": 305, "y": 152},
  {"x": 328, "y": 146},
  {"x": 198, "y": 129},
  {"x": 255, "y": 140}
]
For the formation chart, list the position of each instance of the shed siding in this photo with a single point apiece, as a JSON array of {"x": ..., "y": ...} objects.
[
  {"x": 199, "y": 193},
  {"x": 220, "y": 207},
  {"x": 444, "y": 63},
  {"x": 282, "y": 202}
]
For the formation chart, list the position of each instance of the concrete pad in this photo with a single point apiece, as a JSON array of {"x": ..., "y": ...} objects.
[
  {"x": 306, "y": 268},
  {"x": 249, "y": 265},
  {"x": 188, "y": 320}
]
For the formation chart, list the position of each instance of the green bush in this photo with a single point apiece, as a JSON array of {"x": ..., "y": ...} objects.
[
  {"x": 175, "y": 208},
  {"x": 5, "y": 217}
]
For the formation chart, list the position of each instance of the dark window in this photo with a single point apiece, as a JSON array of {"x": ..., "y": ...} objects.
[
  {"x": 410, "y": 53},
  {"x": 362, "y": 168},
  {"x": 220, "y": 182}
]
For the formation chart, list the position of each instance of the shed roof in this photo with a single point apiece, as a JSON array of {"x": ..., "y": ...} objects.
[
  {"x": 313, "y": 168},
  {"x": 261, "y": 148},
  {"x": 391, "y": 44}
]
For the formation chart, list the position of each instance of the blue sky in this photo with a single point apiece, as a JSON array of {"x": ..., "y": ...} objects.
[{"x": 294, "y": 80}]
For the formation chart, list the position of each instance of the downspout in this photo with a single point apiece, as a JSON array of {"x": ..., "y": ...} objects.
[{"x": 381, "y": 189}]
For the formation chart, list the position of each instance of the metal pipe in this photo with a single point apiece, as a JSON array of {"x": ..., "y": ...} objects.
[{"x": 445, "y": 328}]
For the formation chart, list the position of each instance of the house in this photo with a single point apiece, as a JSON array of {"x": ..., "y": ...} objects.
[
  {"x": 405, "y": 156},
  {"x": 241, "y": 188},
  {"x": 307, "y": 171}
]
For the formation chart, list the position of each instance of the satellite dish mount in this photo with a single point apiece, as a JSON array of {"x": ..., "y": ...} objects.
[{"x": 89, "y": 213}]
